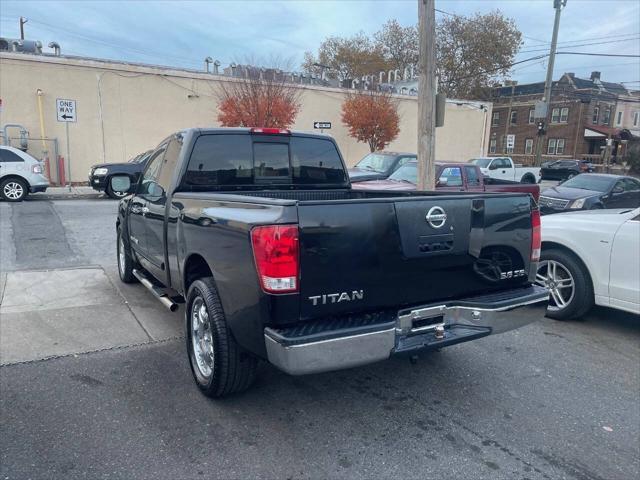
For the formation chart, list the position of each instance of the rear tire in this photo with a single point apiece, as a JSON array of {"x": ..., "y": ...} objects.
[
  {"x": 125, "y": 260},
  {"x": 13, "y": 190},
  {"x": 569, "y": 279},
  {"x": 219, "y": 365}
]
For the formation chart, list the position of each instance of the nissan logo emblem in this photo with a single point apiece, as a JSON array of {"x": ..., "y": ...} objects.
[{"x": 436, "y": 217}]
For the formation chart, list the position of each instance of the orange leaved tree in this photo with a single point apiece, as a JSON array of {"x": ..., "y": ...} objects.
[
  {"x": 372, "y": 117},
  {"x": 260, "y": 98}
]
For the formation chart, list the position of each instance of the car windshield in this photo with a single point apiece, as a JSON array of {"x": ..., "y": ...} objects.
[
  {"x": 140, "y": 158},
  {"x": 482, "y": 162},
  {"x": 406, "y": 173},
  {"x": 376, "y": 162},
  {"x": 590, "y": 182}
]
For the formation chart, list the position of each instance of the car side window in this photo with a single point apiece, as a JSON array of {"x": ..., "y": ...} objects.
[
  {"x": 631, "y": 185},
  {"x": 169, "y": 162},
  {"x": 403, "y": 160},
  {"x": 149, "y": 184},
  {"x": 9, "y": 156},
  {"x": 453, "y": 176},
  {"x": 618, "y": 187},
  {"x": 472, "y": 175}
]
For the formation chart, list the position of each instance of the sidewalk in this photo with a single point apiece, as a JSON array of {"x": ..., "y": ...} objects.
[{"x": 68, "y": 193}]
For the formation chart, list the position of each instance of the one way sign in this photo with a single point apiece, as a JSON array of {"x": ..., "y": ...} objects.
[
  {"x": 66, "y": 110},
  {"x": 322, "y": 125}
]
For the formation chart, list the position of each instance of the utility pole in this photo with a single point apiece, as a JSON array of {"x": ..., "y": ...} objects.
[
  {"x": 548, "y": 83},
  {"x": 427, "y": 96},
  {"x": 22, "y": 22}
]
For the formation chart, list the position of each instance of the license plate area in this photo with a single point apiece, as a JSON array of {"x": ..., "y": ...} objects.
[{"x": 421, "y": 320}]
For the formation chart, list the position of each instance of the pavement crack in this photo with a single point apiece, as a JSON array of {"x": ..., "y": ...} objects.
[{"x": 91, "y": 352}]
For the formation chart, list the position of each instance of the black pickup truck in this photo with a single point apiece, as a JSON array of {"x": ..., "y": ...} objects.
[{"x": 259, "y": 233}]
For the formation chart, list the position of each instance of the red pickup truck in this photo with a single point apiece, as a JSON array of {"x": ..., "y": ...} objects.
[{"x": 454, "y": 177}]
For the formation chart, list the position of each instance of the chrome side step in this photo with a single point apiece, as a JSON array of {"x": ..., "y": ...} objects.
[{"x": 158, "y": 292}]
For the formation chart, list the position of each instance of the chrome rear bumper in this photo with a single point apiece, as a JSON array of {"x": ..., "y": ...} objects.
[{"x": 418, "y": 328}]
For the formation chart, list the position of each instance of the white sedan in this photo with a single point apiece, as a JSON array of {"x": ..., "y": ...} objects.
[{"x": 591, "y": 257}]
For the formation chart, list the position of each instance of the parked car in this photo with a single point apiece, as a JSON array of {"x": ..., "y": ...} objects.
[
  {"x": 503, "y": 168},
  {"x": 591, "y": 257},
  {"x": 564, "y": 169},
  {"x": 275, "y": 256},
  {"x": 20, "y": 174},
  {"x": 100, "y": 174},
  {"x": 378, "y": 165},
  {"x": 591, "y": 191},
  {"x": 454, "y": 177}
]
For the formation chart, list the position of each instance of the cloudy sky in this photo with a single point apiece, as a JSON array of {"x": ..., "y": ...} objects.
[{"x": 183, "y": 33}]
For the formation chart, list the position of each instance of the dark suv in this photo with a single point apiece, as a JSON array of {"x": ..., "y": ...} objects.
[
  {"x": 100, "y": 174},
  {"x": 564, "y": 169},
  {"x": 378, "y": 166}
]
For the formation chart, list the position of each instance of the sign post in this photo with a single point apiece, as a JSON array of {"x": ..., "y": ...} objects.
[
  {"x": 322, "y": 126},
  {"x": 66, "y": 112}
]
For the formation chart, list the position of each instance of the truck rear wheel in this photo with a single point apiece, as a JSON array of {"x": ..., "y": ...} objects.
[
  {"x": 528, "y": 178},
  {"x": 219, "y": 365}
]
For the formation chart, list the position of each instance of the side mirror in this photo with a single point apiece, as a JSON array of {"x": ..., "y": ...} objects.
[
  {"x": 121, "y": 184},
  {"x": 617, "y": 190},
  {"x": 442, "y": 182},
  {"x": 493, "y": 166}
]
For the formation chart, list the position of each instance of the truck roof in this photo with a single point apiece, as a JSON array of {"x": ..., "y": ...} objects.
[{"x": 294, "y": 133}]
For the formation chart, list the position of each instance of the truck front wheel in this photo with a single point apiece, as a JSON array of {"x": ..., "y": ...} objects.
[{"x": 219, "y": 365}]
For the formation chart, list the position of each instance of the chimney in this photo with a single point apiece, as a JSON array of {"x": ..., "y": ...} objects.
[{"x": 595, "y": 76}]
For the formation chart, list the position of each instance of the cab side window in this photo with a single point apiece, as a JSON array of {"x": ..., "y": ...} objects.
[
  {"x": 149, "y": 183},
  {"x": 472, "y": 176},
  {"x": 453, "y": 176}
]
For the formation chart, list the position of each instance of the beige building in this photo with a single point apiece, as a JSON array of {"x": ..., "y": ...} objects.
[{"x": 124, "y": 109}]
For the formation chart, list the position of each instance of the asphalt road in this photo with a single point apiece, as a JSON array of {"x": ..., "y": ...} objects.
[{"x": 552, "y": 400}]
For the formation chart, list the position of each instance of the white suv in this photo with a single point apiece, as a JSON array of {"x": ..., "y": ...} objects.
[{"x": 20, "y": 174}]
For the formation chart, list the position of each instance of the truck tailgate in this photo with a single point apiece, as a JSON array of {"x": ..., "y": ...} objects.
[{"x": 371, "y": 254}]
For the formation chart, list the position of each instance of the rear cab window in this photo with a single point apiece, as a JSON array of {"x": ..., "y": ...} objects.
[{"x": 233, "y": 161}]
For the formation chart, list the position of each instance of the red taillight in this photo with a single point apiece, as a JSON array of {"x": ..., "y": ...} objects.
[
  {"x": 271, "y": 131},
  {"x": 536, "y": 237},
  {"x": 275, "y": 249}
]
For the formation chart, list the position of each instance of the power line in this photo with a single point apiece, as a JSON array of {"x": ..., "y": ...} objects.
[
  {"x": 588, "y": 39},
  {"x": 583, "y": 44},
  {"x": 598, "y": 54}
]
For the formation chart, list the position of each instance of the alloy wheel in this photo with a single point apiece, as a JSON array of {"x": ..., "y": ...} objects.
[
  {"x": 558, "y": 279},
  {"x": 121, "y": 258},
  {"x": 202, "y": 338},
  {"x": 13, "y": 190}
]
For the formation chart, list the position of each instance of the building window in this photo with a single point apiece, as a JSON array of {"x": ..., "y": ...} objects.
[
  {"x": 528, "y": 146},
  {"x": 636, "y": 118},
  {"x": 492, "y": 145},
  {"x": 506, "y": 148},
  {"x": 619, "y": 120},
  {"x": 532, "y": 116},
  {"x": 555, "y": 146},
  {"x": 607, "y": 116},
  {"x": 555, "y": 115},
  {"x": 496, "y": 119},
  {"x": 564, "y": 115},
  {"x": 596, "y": 115},
  {"x": 514, "y": 117}
]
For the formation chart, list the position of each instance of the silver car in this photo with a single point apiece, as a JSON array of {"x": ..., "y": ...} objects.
[{"x": 20, "y": 174}]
